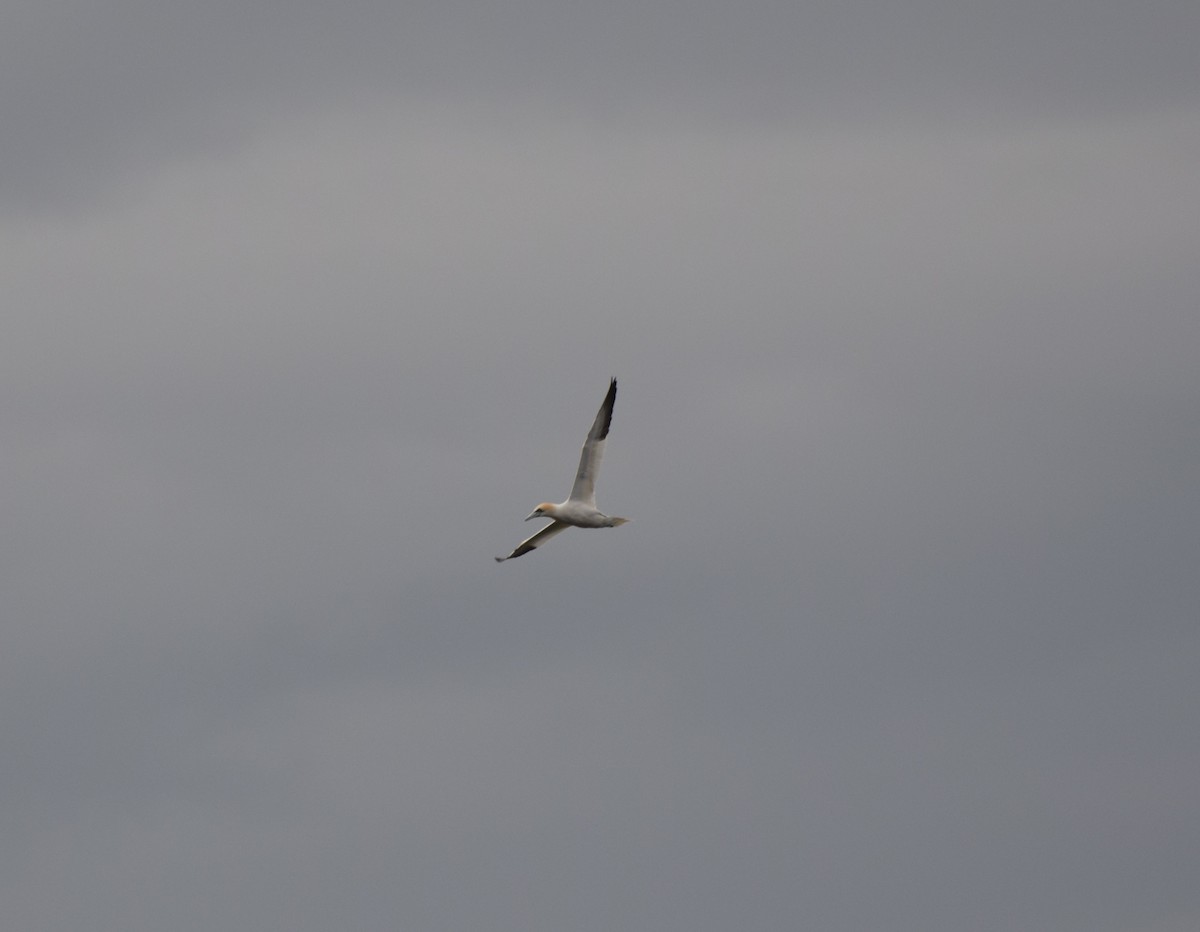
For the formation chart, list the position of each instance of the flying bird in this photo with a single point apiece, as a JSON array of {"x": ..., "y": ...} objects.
[{"x": 579, "y": 510}]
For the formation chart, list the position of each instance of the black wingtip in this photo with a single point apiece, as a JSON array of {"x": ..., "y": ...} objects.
[{"x": 604, "y": 416}]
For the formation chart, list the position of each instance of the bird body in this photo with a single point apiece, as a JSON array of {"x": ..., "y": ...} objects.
[
  {"x": 575, "y": 514},
  {"x": 579, "y": 509}
]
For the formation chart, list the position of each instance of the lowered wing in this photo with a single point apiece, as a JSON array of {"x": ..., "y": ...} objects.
[{"x": 536, "y": 540}]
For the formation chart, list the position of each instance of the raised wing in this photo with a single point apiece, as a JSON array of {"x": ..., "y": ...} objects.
[
  {"x": 584, "y": 489},
  {"x": 536, "y": 541}
]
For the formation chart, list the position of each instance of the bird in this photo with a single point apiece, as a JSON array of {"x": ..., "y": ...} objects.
[{"x": 579, "y": 510}]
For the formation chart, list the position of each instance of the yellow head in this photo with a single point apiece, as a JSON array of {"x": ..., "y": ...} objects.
[{"x": 544, "y": 510}]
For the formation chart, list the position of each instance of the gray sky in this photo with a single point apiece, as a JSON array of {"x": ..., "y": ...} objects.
[{"x": 308, "y": 307}]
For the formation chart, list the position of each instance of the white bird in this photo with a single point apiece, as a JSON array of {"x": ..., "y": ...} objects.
[{"x": 579, "y": 510}]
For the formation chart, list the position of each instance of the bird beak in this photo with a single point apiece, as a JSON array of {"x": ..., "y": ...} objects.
[{"x": 536, "y": 514}]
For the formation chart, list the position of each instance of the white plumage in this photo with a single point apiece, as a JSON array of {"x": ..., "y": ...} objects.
[{"x": 579, "y": 510}]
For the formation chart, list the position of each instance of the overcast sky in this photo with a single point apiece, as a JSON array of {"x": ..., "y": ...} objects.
[{"x": 307, "y": 306}]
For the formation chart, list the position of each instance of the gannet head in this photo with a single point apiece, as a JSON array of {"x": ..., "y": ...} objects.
[{"x": 544, "y": 510}]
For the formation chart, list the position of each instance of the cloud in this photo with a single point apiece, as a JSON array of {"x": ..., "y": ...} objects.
[
  {"x": 902, "y": 633},
  {"x": 93, "y": 98}
]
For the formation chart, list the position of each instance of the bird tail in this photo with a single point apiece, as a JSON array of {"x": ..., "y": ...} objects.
[{"x": 617, "y": 522}]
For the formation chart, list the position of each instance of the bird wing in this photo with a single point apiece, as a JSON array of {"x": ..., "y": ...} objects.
[
  {"x": 536, "y": 540},
  {"x": 584, "y": 489}
]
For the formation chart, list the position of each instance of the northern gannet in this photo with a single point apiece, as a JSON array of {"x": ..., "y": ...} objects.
[{"x": 579, "y": 510}]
